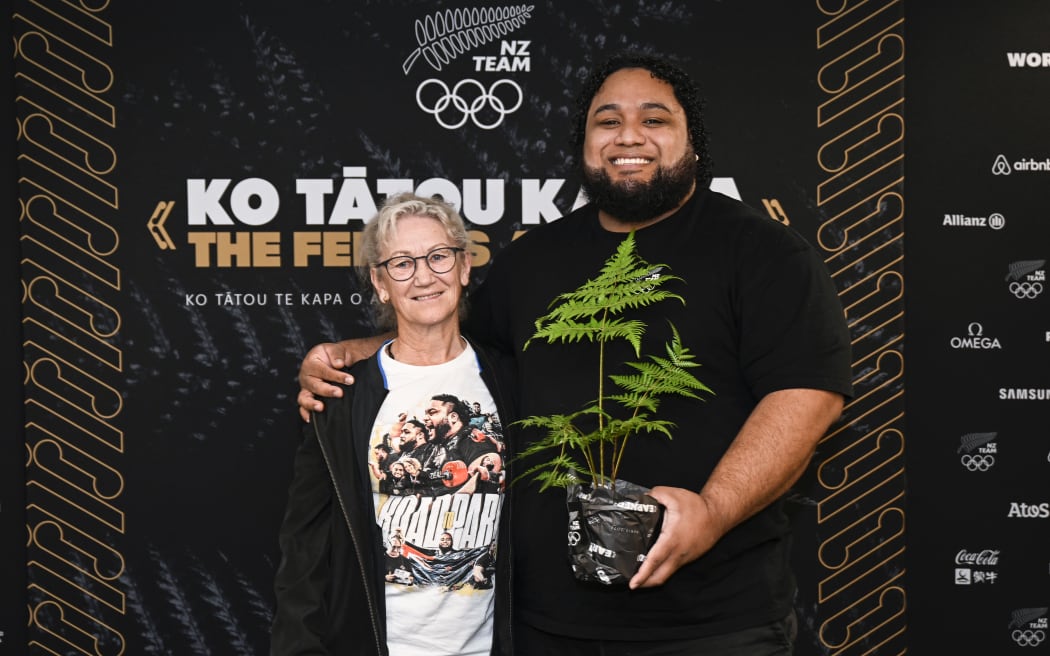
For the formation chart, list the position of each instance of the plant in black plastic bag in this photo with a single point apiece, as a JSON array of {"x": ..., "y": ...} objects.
[
  {"x": 612, "y": 523},
  {"x": 610, "y": 530}
]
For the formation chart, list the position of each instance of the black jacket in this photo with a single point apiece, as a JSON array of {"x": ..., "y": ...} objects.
[{"x": 329, "y": 584}]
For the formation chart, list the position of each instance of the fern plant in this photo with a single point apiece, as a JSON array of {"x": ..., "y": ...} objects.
[{"x": 594, "y": 312}]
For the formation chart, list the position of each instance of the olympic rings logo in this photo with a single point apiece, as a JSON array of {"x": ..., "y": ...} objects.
[
  {"x": 1026, "y": 289},
  {"x": 978, "y": 462},
  {"x": 470, "y": 100},
  {"x": 1028, "y": 638}
]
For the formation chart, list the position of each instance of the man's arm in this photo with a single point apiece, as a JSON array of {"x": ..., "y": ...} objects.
[
  {"x": 765, "y": 459},
  {"x": 323, "y": 365}
]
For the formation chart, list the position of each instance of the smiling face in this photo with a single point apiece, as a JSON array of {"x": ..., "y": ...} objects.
[
  {"x": 427, "y": 299},
  {"x": 638, "y": 160},
  {"x": 634, "y": 125}
]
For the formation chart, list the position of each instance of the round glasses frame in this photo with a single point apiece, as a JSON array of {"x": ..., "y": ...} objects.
[{"x": 403, "y": 267}]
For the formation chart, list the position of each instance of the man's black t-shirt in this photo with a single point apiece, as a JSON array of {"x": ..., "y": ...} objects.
[{"x": 760, "y": 314}]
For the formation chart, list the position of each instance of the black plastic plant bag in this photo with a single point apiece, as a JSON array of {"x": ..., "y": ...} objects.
[{"x": 610, "y": 530}]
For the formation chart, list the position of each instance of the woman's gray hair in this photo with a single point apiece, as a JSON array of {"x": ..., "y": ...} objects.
[{"x": 382, "y": 229}]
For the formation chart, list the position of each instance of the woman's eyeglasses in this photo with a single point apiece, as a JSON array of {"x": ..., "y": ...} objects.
[{"x": 403, "y": 267}]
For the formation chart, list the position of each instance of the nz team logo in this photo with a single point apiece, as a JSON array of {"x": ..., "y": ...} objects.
[
  {"x": 1028, "y": 626},
  {"x": 1025, "y": 279},
  {"x": 448, "y": 34},
  {"x": 978, "y": 451}
]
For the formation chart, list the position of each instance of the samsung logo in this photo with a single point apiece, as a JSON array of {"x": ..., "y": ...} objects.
[
  {"x": 1028, "y": 59},
  {"x": 1023, "y": 394}
]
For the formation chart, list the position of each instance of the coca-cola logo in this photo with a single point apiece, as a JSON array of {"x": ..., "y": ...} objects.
[{"x": 987, "y": 557}]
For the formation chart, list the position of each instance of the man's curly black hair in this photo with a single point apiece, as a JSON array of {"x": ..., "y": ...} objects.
[{"x": 685, "y": 89}]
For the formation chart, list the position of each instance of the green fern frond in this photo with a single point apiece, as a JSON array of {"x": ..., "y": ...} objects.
[
  {"x": 639, "y": 400},
  {"x": 623, "y": 428},
  {"x": 657, "y": 380},
  {"x": 626, "y": 282},
  {"x": 567, "y": 331},
  {"x": 592, "y": 312},
  {"x": 559, "y": 472}
]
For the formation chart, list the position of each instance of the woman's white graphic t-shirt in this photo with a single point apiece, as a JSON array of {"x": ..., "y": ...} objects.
[{"x": 437, "y": 471}]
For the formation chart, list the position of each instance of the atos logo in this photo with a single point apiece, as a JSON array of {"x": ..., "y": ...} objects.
[{"x": 1021, "y": 510}]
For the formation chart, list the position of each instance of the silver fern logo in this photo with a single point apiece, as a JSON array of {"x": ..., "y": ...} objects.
[
  {"x": 1028, "y": 626},
  {"x": 446, "y": 35},
  {"x": 1026, "y": 278},
  {"x": 978, "y": 451}
]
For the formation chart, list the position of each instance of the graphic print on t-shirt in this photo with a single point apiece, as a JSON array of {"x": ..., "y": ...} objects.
[{"x": 437, "y": 469}]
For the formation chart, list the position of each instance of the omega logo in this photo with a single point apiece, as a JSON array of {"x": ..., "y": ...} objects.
[{"x": 975, "y": 339}]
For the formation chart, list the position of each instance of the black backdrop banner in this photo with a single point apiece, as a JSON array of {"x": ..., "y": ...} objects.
[
  {"x": 192, "y": 183},
  {"x": 979, "y": 326},
  {"x": 190, "y": 180}
]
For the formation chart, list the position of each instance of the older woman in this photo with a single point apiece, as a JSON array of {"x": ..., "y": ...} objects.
[{"x": 366, "y": 567}]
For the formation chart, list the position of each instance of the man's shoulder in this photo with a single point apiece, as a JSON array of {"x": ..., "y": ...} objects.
[
  {"x": 555, "y": 231},
  {"x": 728, "y": 208},
  {"x": 729, "y": 216}
]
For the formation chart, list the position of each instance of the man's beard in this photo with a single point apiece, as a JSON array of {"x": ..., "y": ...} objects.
[
  {"x": 634, "y": 201},
  {"x": 441, "y": 431}
]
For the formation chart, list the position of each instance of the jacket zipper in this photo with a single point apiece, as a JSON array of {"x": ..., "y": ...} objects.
[{"x": 365, "y": 576}]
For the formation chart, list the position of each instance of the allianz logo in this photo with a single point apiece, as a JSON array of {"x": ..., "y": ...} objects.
[
  {"x": 1028, "y": 59},
  {"x": 995, "y": 221}
]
